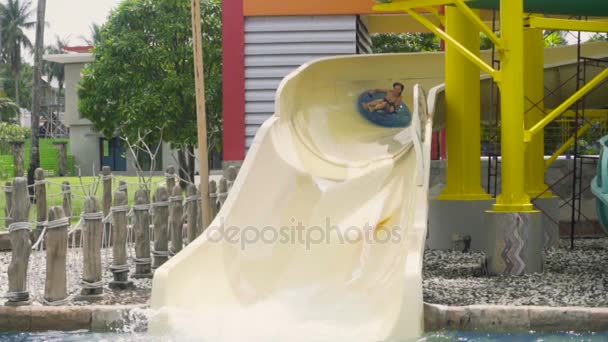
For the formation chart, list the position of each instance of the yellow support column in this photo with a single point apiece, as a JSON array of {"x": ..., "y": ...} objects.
[
  {"x": 515, "y": 237},
  {"x": 534, "y": 92},
  {"x": 462, "y": 89},
  {"x": 513, "y": 197}
]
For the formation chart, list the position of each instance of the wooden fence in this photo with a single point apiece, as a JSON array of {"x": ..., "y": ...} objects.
[{"x": 148, "y": 232}]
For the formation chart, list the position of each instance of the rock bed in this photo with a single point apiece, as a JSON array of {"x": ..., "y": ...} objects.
[
  {"x": 140, "y": 294},
  {"x": 576, "y": 277}
]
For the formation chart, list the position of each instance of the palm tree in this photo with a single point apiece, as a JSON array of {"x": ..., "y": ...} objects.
[
  {"x": 56, "y": 70},
  {"x": 15, "y": 18},
  {"x": 95, "y": 35},
  {"x": 8, "y": 107},
  {"x": 36, "y": 110}
]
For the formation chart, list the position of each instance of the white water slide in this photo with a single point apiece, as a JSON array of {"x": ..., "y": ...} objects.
[
  {"x": 322, "y": 236},
  {"x": 317, "y": 160}
]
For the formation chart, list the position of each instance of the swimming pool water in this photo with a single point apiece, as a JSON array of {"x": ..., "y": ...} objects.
[{"x": 79, "y": 336}]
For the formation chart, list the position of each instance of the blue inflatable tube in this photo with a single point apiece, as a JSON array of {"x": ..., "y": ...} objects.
[{"x": 401, "y": 117}]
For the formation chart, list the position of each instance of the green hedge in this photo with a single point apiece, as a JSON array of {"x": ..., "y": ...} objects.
[{"x": 49, "y": 158}]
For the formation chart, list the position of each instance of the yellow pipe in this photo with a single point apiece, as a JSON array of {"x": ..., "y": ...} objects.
[
  {"x": 464, "y": 51},
  {"x": 568, "y": 24},
  {"x": 568, "y": 143},
  {"x": 513, "y": 197},
  {"x": 588, "y": 113},
  {"x": 566, "y": 104},
  {"x": 405, "y": 5},
  {"x": 436, "y": 14},
  {"x": 534, "y": 92},
  {"x": 463, "y": 121},
  {"x": 472, "y": 16}
]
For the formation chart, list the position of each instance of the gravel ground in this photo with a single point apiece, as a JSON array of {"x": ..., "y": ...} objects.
[
  {"x": 37, "y": 273},
  {"x": 572, "y": 278}
]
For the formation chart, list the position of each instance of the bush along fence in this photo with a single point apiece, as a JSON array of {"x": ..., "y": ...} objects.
[{"x": 108, "y": 235}]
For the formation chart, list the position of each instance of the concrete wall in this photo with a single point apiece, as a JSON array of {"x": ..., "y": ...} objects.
[
  {"x": 558, "y": 176},
  {"x": 84, "y": 145},
  {"x": 72, "y": 78}
]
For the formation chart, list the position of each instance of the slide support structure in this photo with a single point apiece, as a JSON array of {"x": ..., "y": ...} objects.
[
  {"x": 514, "y": 243},
  {"x": 462, "y": 89},
  {"x": 534, "y": 93},
  {"x": 513, "y": 197}
]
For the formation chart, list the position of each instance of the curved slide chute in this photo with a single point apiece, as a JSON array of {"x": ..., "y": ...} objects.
[{"x": 322, "y": 236}]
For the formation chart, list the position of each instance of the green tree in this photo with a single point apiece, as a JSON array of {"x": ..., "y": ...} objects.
[
  {"x": 598, "y": 36},
  {"x": 15, "y": 19},
  {"x": 8, "y": 109},
  {"x": 95, "y": 35},
  {"x": 7, "y": 82},
  {"x": 406, "y": 42},
  {"x": 555, "y": 38},
  {"x": 142, "y": 79}
]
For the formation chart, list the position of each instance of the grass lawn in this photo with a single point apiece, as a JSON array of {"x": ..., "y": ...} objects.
[{"x": 55, "y": 198}]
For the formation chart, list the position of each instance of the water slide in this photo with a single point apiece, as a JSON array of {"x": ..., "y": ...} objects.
[
  {"x": 299, "y": 251},
  {"x": 322, "y": 235}
]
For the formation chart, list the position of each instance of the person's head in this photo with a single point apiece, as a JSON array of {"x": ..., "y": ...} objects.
[{"x": 398, "y": 87}]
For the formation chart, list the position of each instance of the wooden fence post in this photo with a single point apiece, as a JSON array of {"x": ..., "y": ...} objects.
[
  {"x": 56, "y": 241},
  {"x": 170, "y": 178},
  {"x": 63, "y": 157},
  {"x": 231, "y": 174},
  {"x": 120, "y": 267},
  {"x": 106, "y": 173},
  {"x": 192, "y": 211},
  {"x": 8, "y": 198},
  {"x": 66, "y": 190},
  {"x": 40, "y": 193},
  {"x": 21, "y": 245},
  {"x": 161, "y": 227},
  {"x": 213, "y": 199},
  {"x": 200, "y": 228},
  {"x": 122, "y": 186},
  {"x": 223, "y": 192},
  {"x": 17, "y": 149},
  {"x": 176, "y": 222},
  {"x": 92, "y": 283},
  {"x": 141, "y": 230}
]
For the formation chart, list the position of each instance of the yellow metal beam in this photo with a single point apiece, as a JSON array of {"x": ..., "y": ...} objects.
[
  {"x": 588, "y": 113},
  {"x": 534, "y": 91},
  {"x": 566, "y": 145},
  {"x": 463, "y": 50},
  {"x": 405, "y": 5},
  {"x": 398, "y": 23},
  {"x": 435, "y": 12},
  {"x": 474, "y": 18},
  {"x": 568, "y": 24},
  {"x": 566, "y": 104},
  {"x": 462, "y": 101},
  {"x": 513, "y": 197}
]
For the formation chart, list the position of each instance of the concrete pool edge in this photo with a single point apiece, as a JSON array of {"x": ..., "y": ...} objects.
[
  {"x": 489, "y": 318},
  {"x": 100, "y": 318},
  {"x": 502, "y": 318}
]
